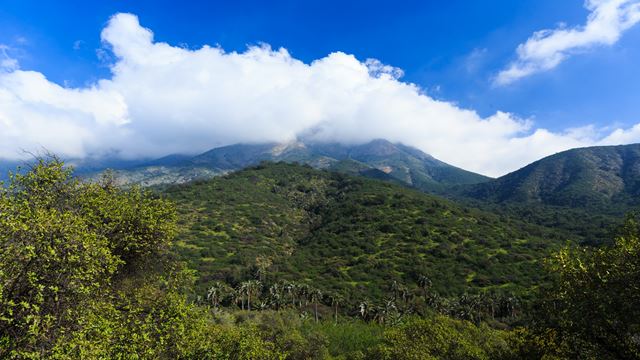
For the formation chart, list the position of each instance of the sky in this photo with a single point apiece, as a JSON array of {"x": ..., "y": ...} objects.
[{"x": 488, "y": 86}]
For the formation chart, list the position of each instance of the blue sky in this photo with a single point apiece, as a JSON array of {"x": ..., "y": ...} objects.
[{"x": 452, "y": 50}]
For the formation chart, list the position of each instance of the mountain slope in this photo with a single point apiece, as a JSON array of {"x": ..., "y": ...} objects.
[
  {"x": 404, "y": 163},
  {"x": 349, "y": 235},
  {"x": 379, "y": 159},
  {"x": 603, "y": 176}
]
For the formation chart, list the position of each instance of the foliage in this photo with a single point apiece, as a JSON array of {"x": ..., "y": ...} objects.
[
  {"x": 350, "y": 236},
  {"x": 593, "y": 308},
  {"x": 64, "y": 244},
  {"x": 155, "y": 325},
  {"x": 438, "y": 337},
  {"x": 295, "y": 263},
  {"x": 85, "y": 273},
  {"x": 600, "y": 179}
]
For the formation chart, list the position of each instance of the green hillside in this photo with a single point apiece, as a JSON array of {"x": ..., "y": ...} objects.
[
  {"x": 350, "y": 235},
  {"x": 604, "y": 177},
  {"x": 314, "y": 265}
]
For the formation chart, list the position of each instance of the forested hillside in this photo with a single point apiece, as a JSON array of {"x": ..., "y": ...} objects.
[
  {"x": 349, "y": 235},
  {"x": 600, "y": 178},
  {"x": 296, "y": 263}
]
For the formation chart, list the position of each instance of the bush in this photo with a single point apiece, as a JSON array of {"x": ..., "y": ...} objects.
[{"x": 439, "y": 337}]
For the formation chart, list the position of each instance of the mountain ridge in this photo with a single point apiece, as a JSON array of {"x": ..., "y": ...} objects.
[
  {"x": 599, "y": 176},
  {"x": 399, "y": 162}
]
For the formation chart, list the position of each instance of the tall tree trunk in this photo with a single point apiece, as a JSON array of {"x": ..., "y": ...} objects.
[{"x": 316, "y": 308}]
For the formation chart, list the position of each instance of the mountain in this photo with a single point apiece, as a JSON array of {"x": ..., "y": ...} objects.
[
  {"x": 349, "y": 234},
  {"x": 88, "y": 166},
  {"x": 7, "y": 166},
  {"x": 404, "y": 163},
  {"x": 378, "y": 159},
  {"x": 593, "y": 177}
]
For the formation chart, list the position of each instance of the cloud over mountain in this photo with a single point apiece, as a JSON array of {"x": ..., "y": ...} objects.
[{"x": 165, "y": 99}]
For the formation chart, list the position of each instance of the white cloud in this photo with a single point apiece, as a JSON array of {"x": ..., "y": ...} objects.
[
  {"x": 164, "y": 99},
  {"x": 7, "y": 63},
  {"x": 546, "y": 49}
]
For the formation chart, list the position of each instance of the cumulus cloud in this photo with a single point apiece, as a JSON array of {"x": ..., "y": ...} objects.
[
  {"x": 546, "y": 49},
  {"x": 163, "y": 99}
]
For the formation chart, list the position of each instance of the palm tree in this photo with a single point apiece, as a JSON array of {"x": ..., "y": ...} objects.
[
  {"x": 365, "y": 308},
  {"x": 290, "y": 288},
  {"x": 400, "y": 292},
  {"x": 393, "y": 315},
  {"x": 236, "y": 297},
  {"x": 316, "y": 295},
  {"x": 336, "y": 300},
  {"x": 489, "y": 301},
  {"x": 277, "y": 294},
  {"x": 302, "y": 292},
  {"x": 425, "y": 284},
  {"x": 383, "y": 312},
  {"x": 241, "y": 291},
  {"x": 405, "y": 294},
  {"x": 252, "y": 287},
  {"x": 395, "y": 288},
  {"x": 216, "y": 293},
  {"x": 262, "y": 264},
  {"x": 306, "y": 294}
]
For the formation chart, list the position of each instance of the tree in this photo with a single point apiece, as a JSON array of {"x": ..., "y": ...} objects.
[
  {"x": 316, "y": 296},
  {"x": 217, "y": 292},
  {"x": 440, "y": 337},
  {"x": 64, "y": 244},
  {"x": 364, "y": 309},
  {"x": 251, "y": 288},
  {"x": 237, "y": 297},
  {"x": 290, "y": 288},
  {"x": 262, "y": 264},
  {"x": 336, "y": 300},
  {"x": 302, "y": 292},
  {"x": 593, "y": 307},
  {"x": 241, "y": 292},
  {"x": 425, "y": 284}
]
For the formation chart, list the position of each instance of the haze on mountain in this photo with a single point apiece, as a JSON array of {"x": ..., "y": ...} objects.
[{"x": 379, "y": 159}]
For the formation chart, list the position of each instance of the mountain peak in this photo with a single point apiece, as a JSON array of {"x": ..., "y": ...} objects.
[
  {"x": 281, "y": 148},
  {"x": 378, "y": 158},
  {"x": 377, "y": 147}
]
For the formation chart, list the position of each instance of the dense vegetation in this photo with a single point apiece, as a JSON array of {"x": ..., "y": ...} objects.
[
  {"x": 350, "y": 236},
  {"x": 87, "y": 271},
  {"x": 600, "y": 178}
]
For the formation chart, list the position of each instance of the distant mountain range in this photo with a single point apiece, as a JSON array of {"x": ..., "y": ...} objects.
[
  {"x": 594, "y": 177},
  {"x": 378, "y": 159}
]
